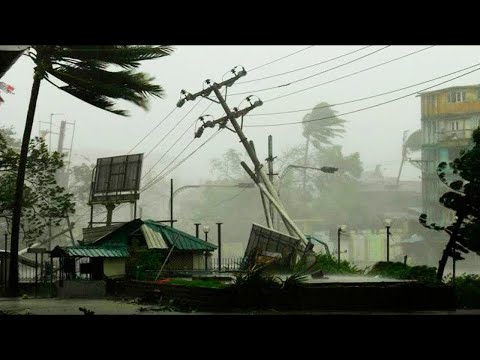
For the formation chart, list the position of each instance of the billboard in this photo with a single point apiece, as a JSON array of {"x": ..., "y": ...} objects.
[
  {"x": 269, "y": 246},
  {"x": 117, "y": 179}
]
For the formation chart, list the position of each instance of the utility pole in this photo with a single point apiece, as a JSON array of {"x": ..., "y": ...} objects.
[
  {"x": 271, "y": 173},
  {"x": 264, "y": 182}
]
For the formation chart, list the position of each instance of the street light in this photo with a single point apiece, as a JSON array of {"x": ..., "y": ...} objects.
[
  {"x": 388, "y": 223},
  {"x": 341, "y": 228},
  {"x": 206, "y": 229}
]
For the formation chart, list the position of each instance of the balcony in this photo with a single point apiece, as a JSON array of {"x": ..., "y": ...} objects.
[{"x": 454, "y": 136}]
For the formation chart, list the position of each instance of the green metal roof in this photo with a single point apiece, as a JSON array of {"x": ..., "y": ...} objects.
[
  {"x": 96, "y": 251},
  {"x": 160, "y": 236}
]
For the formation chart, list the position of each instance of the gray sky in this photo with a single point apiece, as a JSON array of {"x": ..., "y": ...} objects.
[{"x": 375, "y": 133}]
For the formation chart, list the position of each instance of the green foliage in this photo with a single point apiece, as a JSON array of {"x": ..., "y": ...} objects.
[
  {"x": 81, "y": 178},
  {"x": 86, "y": 71},
  {"x": 467, "y": 290},
  {"x": 294, "y": 281},
  {"x": 256, "y": 279},
  {"x": 397, "y": 270},
  {"x": 44, "y": 202},
  {"x": 322, "y": 132},
  {"x": 464, "y": 200},
  {"x": 228, "y": 167},
  {"x": 146, "y": 259},
  {"x": 329, "y": 265}
]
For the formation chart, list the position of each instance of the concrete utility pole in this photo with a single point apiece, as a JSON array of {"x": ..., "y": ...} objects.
[
  {"x": 271, "y": 173},
  {"x": 264, "y": 182}
]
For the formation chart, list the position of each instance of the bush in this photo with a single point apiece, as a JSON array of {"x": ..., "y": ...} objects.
[
  {"x": 467, "y": 290},
  {"x": 329, "y": 265},
  {"x": 400, "y": 271}
]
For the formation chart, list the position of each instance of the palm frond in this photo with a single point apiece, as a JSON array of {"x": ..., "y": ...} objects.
[
  {"x": 126, "y": 56},
  {"x": 96, "y": 100}
]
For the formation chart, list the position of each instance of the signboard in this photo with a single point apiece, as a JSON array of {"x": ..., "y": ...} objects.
[
  {"x": 117, "y": 179},
  {"x": 269, "y": 246}
]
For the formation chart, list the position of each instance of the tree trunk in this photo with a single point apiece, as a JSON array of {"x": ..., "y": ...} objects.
[
  {"x": 442, "y": 262},
  {"x": 448, "y": 249},
  {"x": 305, "y": 159},
  {"x": 17, "y": 205}
]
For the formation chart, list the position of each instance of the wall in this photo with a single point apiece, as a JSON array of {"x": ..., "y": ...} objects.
[
  {"x": 114, "y": 267},
  {"x": 88, "y": 289},
  {"x": 441, "y": 106}
]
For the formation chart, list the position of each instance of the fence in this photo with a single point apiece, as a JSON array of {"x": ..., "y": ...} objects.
[{"x": 148, "y": 274}]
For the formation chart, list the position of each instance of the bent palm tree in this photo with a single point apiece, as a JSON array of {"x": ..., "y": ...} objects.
[
  {"x": 320, "y": 127},
  {"x": 86, "y": 73}
]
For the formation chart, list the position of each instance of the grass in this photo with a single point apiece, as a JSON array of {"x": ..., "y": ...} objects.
[{"x": 212, "y": 284}]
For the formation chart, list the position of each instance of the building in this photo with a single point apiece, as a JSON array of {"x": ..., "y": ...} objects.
[
  {"x": 108, "y": 252},
  {"x": 449, "y": 117}
]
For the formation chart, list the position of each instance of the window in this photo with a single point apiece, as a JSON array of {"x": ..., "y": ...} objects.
[
  {"x": 456, "y": 96},
  {"x": 454, "y": 125}
]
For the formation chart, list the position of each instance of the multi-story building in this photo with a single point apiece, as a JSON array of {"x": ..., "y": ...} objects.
[{"x": 449, "y": 117}]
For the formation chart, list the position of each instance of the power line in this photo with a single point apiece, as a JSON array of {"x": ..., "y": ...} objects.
[
  {"x": 176, "y": 141},
  {"x": 365, "y": 108},
  {"x": 348, "y": 75},
  {"x": 161, "y": 176},
  {"x": 281, "y": 58},
  {"x": 174, "y": 127},
  {"x": 308, "y": 77},
  {"x": 367, "y": 97},
  {"x": 229, "y": 199},
  {"x": 151, "y": 131},
  {"x": 305, "y": 67}
]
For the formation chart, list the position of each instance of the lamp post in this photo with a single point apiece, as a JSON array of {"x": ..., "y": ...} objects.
[
  {"x": 339, "y": 231},
  {"x": 388, "y": 223},
  {"x": 206, "y": 229}
]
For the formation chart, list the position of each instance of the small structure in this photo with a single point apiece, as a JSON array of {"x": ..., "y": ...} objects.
[{"x": 120, "y": 251}]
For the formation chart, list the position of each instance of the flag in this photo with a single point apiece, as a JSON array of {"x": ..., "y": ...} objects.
[{"x": 6, "y": 87}]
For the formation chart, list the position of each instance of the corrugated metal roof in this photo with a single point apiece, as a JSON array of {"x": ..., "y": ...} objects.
[
  {"x": 96, "y": 251},
  {"x": 161, "y": 236},
  {"x": 153, "y": 238},
  {"x": 95, "y": 233}
]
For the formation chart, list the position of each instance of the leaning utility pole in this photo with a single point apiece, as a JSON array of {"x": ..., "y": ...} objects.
[{"x": 264, "y": 182}]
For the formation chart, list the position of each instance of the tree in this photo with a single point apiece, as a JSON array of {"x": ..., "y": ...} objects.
[
  {"x": 464, "y": 200},
  {"x": 320, "y": 127},
  {"x": 86, "y": 73},
  {"x": 44, "y": 202}
]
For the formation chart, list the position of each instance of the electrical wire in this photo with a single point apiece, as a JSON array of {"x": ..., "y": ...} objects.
[
  {"x": 310, "y": 76},
  {"x": 151, "y": 131},
  {"x": 305, "y": 67},
  {"x": 229, "y": 199},
  {"x": 174, "y": 127},
  {"x": 364, "y": 108},
  {"x": 348, "y": 75},
  {"x": 281, "y": 58},
  {"x": 176, "y": 141},
  {"x": 161, "y": 176},
  {"x": 367, "y": 97}
]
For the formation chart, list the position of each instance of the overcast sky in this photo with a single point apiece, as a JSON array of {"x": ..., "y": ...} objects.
[{"x": 376, "y": 133}]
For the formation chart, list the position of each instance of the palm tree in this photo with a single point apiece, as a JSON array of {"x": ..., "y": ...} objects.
[
  {"x": 410, "y": 144},
  {"x": 320, "y": 127},
  {"x": 86, "y": 72}
]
